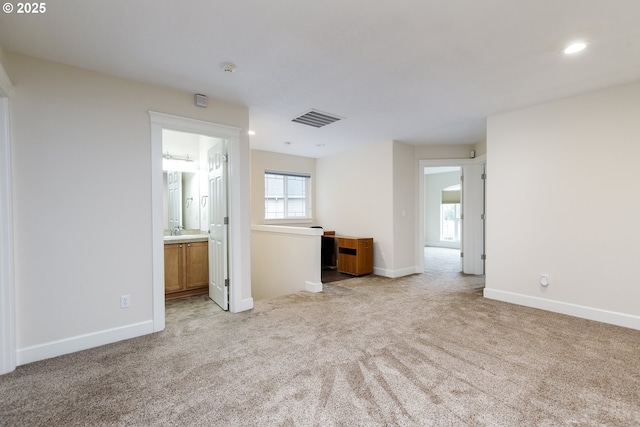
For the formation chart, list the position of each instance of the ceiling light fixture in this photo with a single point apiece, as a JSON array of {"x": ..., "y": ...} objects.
[
  {"x": 575, "y": 48},
  {"x": 184, "y": 158},
  {"x": 251, "y": 132}
]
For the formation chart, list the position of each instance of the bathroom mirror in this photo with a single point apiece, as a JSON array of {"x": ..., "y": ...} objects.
[{"x": 184, "y": 162}]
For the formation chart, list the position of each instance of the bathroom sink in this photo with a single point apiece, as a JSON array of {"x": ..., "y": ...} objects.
[{"x": 186, "y": 238}]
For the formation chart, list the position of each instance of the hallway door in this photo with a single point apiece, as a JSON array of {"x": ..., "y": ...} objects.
[{"x": 218, "y": 227}]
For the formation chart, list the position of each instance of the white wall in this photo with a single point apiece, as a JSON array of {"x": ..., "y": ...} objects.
[
  {"x": 355, "y": 198},
  {"x": 181, "y": 145},
  {"x": 433, "y": 185},
  {"x": 562, "y": 200},
  {"x": 480, "y": 148},
  {"x": 424, "y": 152},
  {"x": 285, "y": 260},
  {"x": 82, "y": 181},
  {"x": 404, "y": 209},
  {"x": 265, "y": 160}
]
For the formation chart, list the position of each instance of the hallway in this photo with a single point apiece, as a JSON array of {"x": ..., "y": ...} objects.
[{"x": 442, "y": 259}]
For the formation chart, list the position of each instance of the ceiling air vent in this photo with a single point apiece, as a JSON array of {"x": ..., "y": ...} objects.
[{"x": 316, "y": 119}]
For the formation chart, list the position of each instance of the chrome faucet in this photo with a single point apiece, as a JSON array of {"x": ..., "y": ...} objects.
[{"x": 176, "y": 231}]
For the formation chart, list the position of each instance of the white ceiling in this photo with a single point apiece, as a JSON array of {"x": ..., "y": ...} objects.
[{"x": 421, "y": 72}]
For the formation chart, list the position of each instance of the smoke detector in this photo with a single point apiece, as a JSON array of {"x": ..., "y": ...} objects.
[{"x": 228, "y": 67}]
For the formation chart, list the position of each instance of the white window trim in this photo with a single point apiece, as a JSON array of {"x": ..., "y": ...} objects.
[{"x": 294, "y": 220}]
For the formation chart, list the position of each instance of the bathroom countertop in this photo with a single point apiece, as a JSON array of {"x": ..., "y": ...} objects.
[{"x": 186, "y": 238}]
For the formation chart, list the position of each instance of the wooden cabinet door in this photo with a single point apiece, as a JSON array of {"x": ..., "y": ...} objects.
[
  {"x": 197, "y": 264},
  {"x": 365, "y": 256},
  {"x": 173, "y": 268}
]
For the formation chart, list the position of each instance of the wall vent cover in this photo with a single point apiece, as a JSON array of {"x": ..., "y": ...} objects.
[{"x": 317, "y": 119}]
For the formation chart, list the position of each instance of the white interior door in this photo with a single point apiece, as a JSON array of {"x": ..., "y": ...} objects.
[
  {"x": 473, "y": 224},
  {"x": 218, "y": 267},
  {"x": 462, "y": 220}
]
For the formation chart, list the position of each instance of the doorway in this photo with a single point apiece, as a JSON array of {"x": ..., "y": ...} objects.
[
  {"x": 442, "y": 260},
  {"x": 189, "y": 204},
  {"x": 442, "y": 218},
  {"x": 239, "y": 293},
  {"x": 190, "y": 307},
  {"x": 471, "y": 212}
]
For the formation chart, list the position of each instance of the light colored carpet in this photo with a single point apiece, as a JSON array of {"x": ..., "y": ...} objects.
[
  {"x": 417, "y": 351},
  {"x": 445, "y": 260}
]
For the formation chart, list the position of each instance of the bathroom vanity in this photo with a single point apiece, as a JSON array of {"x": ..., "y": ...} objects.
[{"x": 186, "y": 265}]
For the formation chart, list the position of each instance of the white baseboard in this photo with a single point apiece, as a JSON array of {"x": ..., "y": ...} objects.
[
  {"x": 599, "y": 315},
  {"x": 82, "y": 342},
  {"x": 441, "y": 244},
  {"x": 313, "y": 286},
  {"x": 393, "y": 274}
]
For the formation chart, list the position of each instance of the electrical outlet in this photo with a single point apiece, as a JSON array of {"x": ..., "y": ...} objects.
[{"x": 125, "y": 301}]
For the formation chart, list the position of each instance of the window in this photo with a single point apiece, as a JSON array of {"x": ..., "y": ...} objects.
[
  {"x": 287, "y": 195},
  {"x": 450, "y": 214}
]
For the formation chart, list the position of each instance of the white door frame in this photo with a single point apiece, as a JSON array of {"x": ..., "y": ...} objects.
[
  {"x": 469, "y": 246},
  {"x": 239, "y": 251},
  {"x": 7, "y": 275}
]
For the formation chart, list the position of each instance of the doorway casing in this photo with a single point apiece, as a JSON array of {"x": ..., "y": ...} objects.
[
  {"x": 238, "y": 208},
  {"x": 8, "y": 357}
]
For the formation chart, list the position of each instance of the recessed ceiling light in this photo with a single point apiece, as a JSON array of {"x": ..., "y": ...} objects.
[
  {"x": 251, "y": 132},
  {"x": 287, "y": 142},
  {"x": 575, "y": 48}
]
